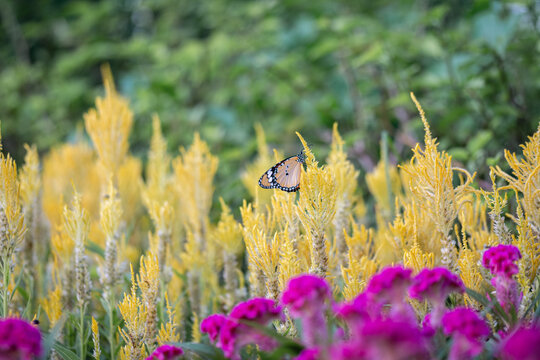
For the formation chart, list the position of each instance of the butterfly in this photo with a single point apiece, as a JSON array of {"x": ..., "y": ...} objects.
[{"x": 285, "y": 175}]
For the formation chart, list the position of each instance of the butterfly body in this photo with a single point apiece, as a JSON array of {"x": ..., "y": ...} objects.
[{"x": 285, "y": 175}]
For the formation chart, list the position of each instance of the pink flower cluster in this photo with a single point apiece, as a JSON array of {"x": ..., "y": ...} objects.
[
  {"x": 378, "y": 324},
  {"x": 19, "y": 340},
  {"x": 469, "y": 331},
  {"x": 231, "y": 334},
  {"x": 166, "y": 352},
  {"x": 501, "y": 260}
]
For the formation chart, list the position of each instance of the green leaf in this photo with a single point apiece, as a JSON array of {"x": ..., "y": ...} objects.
[
  {"x": 95, "y": 248},
  {"x": 64, "y": 352}
]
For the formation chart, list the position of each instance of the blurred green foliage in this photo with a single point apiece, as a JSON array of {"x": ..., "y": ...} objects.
[{"x": 219, "y": 66}]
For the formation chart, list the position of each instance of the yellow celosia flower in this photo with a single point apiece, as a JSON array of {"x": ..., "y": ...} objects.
[
  {"x": 148, "y": 282},
  {"x": 356, "y": 275},
  {"x": 29, "y": 176},
  {"x": 109, "y": 125},
  {"x": 416, "y": 259},
  {"x": 228, "y": 233},
  {"x": 316, "y": 207},
  {"x": 378, "y": 186},
  {"x": 158, "y": 179},
  {"x": 134, "y": 313},
  {"x": 289, "y": 264},
  {"x": 525, "y": 178},
  {"x": 129, "y": 187},
  {"x": 77, "y": 226},
  {"x": 12, "y": 228},
  {"x": 53, "y": 305},
  {"x": 167, "y": 332},
  {"x": 346, "y": 182},
  {"x": 95, "y": 339},
  {"x": 431, "y": 176},
  {"x": 196, "y": 329},
  {"x": 468, "y": 265},
  {"x": 64, "y": 167},
  {"x": 194, "y": 172}
]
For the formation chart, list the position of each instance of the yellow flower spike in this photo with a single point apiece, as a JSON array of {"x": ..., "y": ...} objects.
[
  {"x": 129, "y": 187},
  {"x": 196, "y": 329},
  {"x": 64, "y": 166},
  {"x": 30, "y": 185},
  {"x": 77, "y": 226},
  {"x": 53, "y": 305},
  {"x": 162, "y": 215},
  {"x": 528, "y": 245},
  {"x": 525, "y": 178},
  {"x": 167, "y": 332},
  {"x": 264, "y": 255},
  {"x": 194, "y": 173},
  {"x": 12, "y": 228},
  {"x": 346, "y": 183},
  {"x": 356, "y": 275},
  {"x": 378, "y": 187},
  {"x": 109, "y": 125},
  {"x": 158, "y": 168},
  {"x": 316, "y": 208},
  {"x": 110, "y": 218},
  {"x": 148, "y": 282},
  {"x": 417, "y": 260},
  {"x": 228, "y": 233},
  {"x": 289, "y": 264},
  {"x": 360, "y": 243},
  {"x": 29, "y": 176},
  {"x": 134, "y": 313},
  {"x": 469, "y": 269},
  {"x": 496, "y": 205},
  {"x": 95, "y": 339},
  {"x": 431, "y": 184}
]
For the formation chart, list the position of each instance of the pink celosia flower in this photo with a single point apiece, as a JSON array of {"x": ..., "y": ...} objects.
[
  {"x": 500, "y": 261},
  {"x": 435, "y": 285},
  {"x": 306, "y": 294},
  {"x": 356, "y": 312},
  {"x": 19, "y": 340},
  {"x": 523, "y": 344},
  {"x": 307, "y": 297},
  {"x": 469, "y": 331},
  {"x": 212, "y": 325},
  {"x": 232, "y": 335},
  {"x": 166, "y": 352},
  {"x": 257, "y": 309},
  {"x": 393, "y": 339},
  {"x": 390, "y": 284}
]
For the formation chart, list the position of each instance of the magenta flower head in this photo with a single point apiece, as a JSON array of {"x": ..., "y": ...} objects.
[
  {"x": 523, "y": 344},
  {"x": 257, "y": 309},
  {"x": 19, "y": 340},
  {"x": 355, "y": 313},
  {"x": 500, "y": 260},
  {"x": 231, "y": 335},
  {"x": 166, "y": 352},
  {"x": 435, "y": 285},
  {"x": 306, "y": 294},
  {"x": 393, "y": 339},
  {"x": 212, "y": 326},
  {"x": 469, "y": 331},
  {"x": 390, "y": 284},
  {"x": 306, "y": 297}
]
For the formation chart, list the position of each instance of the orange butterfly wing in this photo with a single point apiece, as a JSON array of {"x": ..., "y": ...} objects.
[{"x": 285, "y": 175}]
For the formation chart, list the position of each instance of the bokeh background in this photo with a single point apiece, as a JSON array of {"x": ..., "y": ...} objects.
[{"x": 221, "y": 66}]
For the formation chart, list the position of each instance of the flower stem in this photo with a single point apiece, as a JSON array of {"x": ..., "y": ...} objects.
[{"x": 81, "y": 333}]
